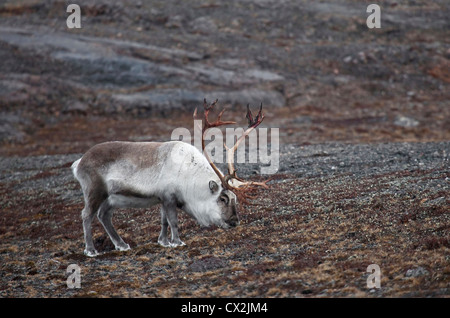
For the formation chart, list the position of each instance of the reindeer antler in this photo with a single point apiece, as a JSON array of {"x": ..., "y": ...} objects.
[
  {"x": 240, "y": 187},
  {"x": 259, "y": 118},
  {"x": 206, "y": 126}
]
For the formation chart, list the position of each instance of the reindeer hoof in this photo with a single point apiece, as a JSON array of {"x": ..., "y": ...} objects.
[
  {"x": 164, "y": 243},
  {"x": 91, "y": 253},
  {"x": 126, "y": 247},
  {"x": 176, "y": 244}
]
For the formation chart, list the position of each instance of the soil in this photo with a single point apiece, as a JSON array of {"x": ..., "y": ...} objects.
[{"x": 364, "y": 125}]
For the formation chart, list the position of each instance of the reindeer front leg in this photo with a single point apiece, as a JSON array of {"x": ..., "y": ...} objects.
[
  {"x": 162, "y": 239},
  {"x": 169, "y": 217}
]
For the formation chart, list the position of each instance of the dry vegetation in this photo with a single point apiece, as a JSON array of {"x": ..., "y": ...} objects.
[{"x": 306, "y": 236}]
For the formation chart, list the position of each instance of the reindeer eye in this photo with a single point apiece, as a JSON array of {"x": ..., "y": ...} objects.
[{"x": 224, "y": 199}]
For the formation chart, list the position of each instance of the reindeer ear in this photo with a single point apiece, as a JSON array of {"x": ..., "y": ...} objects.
[{"x": 213, "y": 186}]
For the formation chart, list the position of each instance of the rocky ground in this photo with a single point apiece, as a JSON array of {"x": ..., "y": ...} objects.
[{"x": 363, "y": 115}]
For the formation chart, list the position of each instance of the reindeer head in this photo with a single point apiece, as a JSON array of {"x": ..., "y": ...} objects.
[
  {"x": 226, "y": 202},
  {"x": 232, "y": 188}
]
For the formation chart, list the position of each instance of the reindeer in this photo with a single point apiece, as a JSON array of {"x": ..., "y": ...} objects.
[{"x": 174, "y": 174}]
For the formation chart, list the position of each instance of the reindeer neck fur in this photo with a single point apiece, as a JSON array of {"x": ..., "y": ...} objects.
[{"x": 192, "y": 176}]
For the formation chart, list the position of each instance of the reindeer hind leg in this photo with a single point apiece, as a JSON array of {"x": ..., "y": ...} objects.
[
  {"x": 87, "y": 216},
  {"x": 93, "y": 198},
  {"x": 104, "y": 214}
]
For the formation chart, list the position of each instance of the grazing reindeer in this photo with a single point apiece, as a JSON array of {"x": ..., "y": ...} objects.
[{"x": 175, "y": 174}]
